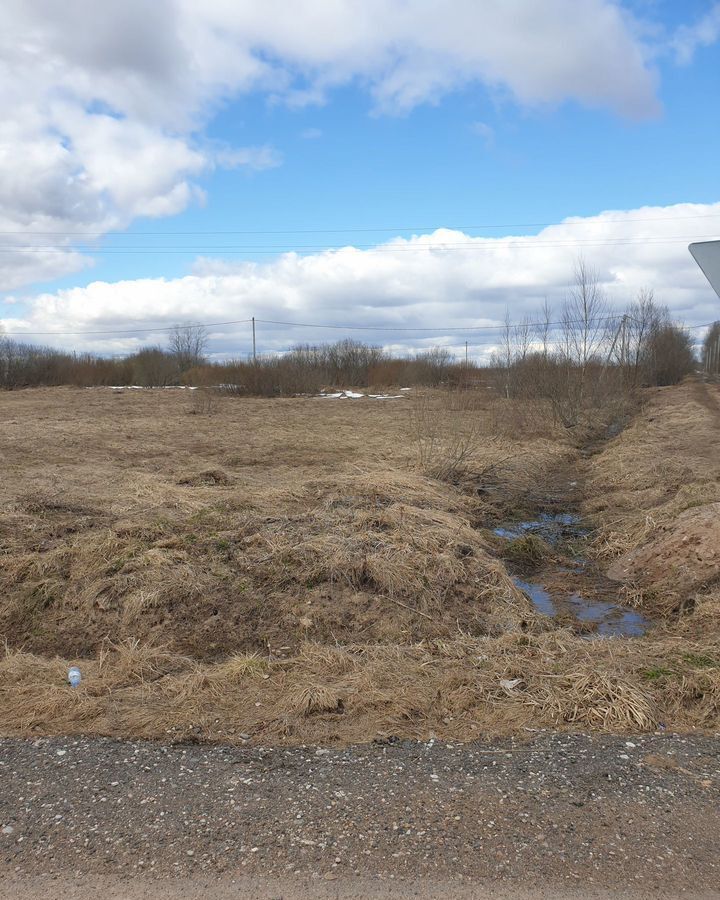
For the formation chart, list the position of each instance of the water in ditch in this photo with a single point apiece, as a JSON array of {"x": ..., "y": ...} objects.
[{"x": 566, "y": 585}]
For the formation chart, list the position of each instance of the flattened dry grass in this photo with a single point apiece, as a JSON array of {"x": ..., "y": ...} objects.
[
  {"x": 271, "y": 523},
  {"x": 287, "y": 570},
  {"x": 454, "y": 689},
  {"x": 651, "y": 493},
  {"x": 665, "y": 462}
]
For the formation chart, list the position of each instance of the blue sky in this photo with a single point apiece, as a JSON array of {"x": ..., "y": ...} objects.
[{"x": 335, "y": 136}]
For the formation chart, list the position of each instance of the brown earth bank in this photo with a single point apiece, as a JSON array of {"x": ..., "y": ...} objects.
[
  {"x": 305, "y": 571},
  {"x": 553, "y": 816},
  {"x": 654, "y": 494}
]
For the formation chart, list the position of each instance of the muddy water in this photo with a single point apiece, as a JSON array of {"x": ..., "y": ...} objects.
[{"x": 567, "y": 586}]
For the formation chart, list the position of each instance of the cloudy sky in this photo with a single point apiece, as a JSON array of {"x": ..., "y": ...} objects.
[{"x": 407, "y": 170}]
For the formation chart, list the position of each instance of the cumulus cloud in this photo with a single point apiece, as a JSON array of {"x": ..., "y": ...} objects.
[
  {"x": 104, "y": 105},
  {"x": 441, "y": 281}
]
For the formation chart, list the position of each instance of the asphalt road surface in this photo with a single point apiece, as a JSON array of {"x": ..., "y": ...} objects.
[{"x": 556, "y": 816}]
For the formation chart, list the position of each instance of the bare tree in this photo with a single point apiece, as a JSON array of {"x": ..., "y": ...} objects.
[
  {"x": 542, "y": 328},
  {"x": 523, "y": 339},
  {"x": 188, "y": 344},
  {"x": 506, "y": 353},
  {"x": 584, "y": 322},
  {"x": 641, "y": 320},
  {"x": 670, "y": 353}
]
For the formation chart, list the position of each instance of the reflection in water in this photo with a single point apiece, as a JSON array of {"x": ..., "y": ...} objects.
[
  {"x": 611, "y": 619},
  {"x": 551, "y": 528}
]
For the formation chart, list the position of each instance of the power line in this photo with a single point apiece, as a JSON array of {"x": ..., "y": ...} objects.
[
  {"x": 490, "y": 244},
  {"x": 386, "y": 329},
  {"x": 389, "y": 329},
  {"x": 136, "y": 330},
  {"x": 591, "y": 220},
  {"x": 425, "y": 328}
]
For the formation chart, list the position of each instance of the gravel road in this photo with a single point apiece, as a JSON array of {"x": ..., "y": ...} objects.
[{"x": 559, "y": 815}]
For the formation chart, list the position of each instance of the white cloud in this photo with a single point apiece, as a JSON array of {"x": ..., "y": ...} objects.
[
  {"x": 437, "y": 281},
  {"x": 103, "y": 106},
  {"x": 484, "y": 131},
  {"x": 703, "y": 33},
  {"x": 255, "y": 158}
]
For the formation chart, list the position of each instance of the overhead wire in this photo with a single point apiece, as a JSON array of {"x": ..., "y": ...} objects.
[
  {"x": 437, "y": 331},
  {"x": 360, "y": 229},
  {"x": 525, "y": 242}
]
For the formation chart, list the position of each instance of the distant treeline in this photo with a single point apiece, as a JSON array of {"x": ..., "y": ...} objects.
[
  {"x": 591, "y": 357},
  {"x": 305, "y": 369}
]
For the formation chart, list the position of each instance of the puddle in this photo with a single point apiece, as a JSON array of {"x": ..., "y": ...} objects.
[
  {"x": 572, "y": 586},
  {"x": 552, "y": 528},
  {"x": 541, "y": 599},
  {"x": 611, "y": 619}
]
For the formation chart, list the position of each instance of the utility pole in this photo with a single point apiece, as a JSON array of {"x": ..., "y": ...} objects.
[
  {"x": 466, "y": 354},
  {"x": 254, "y": 353},
  {"x": 620, "y": 329},
  {"x": 623, "y": 349}
]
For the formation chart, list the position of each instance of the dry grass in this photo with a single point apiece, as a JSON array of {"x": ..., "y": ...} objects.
[
  {"x": 271, "y": 523},
  {"x": 665, "y": 462},
  {"x": 455, "y": 690},
  {"x": 648, "y": 487},
  {"x": 292, "y": 570}
]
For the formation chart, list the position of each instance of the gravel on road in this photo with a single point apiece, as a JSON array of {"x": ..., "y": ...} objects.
[{"x": 559, "y": 814}]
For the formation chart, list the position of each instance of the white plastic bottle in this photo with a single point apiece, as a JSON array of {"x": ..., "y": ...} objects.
[{"x": 74, "y": 676}]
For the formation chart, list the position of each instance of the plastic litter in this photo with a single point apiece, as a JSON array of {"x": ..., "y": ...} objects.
[{"x": 74, "y": 677}]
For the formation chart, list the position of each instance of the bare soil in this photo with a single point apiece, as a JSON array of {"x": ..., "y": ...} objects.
[{"x": 685, "y": 553}]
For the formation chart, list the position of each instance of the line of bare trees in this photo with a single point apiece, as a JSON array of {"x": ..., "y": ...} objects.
[
  {"x": 576, "y": 361},
  {"x": 304, "y": 369},
  {"x": 596, "y": 355}
]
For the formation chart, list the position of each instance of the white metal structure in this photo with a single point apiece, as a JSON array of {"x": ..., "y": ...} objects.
[{"x": 707, "y": 256}]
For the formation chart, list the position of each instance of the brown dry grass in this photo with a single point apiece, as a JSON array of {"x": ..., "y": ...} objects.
[
  {"x": 453, "y": 689},
  {"x": 291, "y": 570},
  {"x": 271, "y": 523},
  {"x": 666, "y": 463}
]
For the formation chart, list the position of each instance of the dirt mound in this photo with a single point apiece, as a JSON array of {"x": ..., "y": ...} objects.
[
  {"x": 680, "y": 558},
  {"x": 381, "y": 556}
]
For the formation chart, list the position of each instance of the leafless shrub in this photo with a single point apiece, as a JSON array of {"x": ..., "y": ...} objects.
[
  {"x": 445, "y": 435},
  {"x": 203, "y": 402}
]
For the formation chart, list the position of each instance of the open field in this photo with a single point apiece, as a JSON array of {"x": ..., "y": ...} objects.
[{"x": 302, "y": 570}]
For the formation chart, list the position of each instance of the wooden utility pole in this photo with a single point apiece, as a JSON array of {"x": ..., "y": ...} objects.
[
  {"x": 620, "y": 329},
  {"x": 254, "y": 353},
  {"x": 466, "y": 354}
]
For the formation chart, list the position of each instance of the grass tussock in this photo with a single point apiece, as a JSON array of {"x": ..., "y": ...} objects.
[
  {"x": 527, "y": 551},
  {"x": 453, "y": 689}
]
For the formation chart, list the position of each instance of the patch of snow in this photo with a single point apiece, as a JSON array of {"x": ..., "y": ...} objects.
[{"x": 340, "y": 395}]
